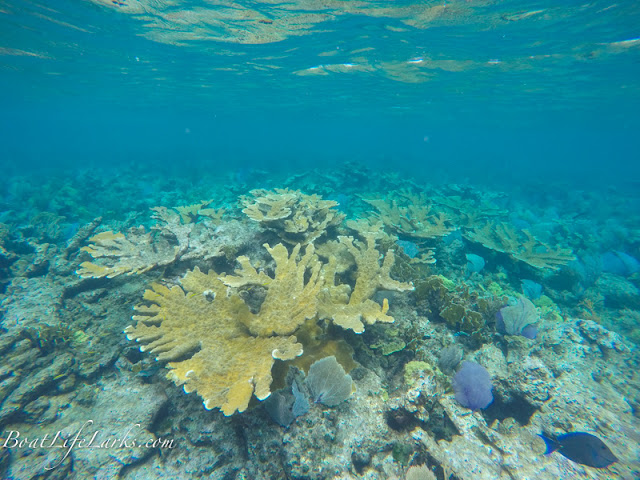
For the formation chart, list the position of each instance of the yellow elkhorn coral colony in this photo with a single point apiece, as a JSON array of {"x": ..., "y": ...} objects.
[{"x": 215, "y": 345}]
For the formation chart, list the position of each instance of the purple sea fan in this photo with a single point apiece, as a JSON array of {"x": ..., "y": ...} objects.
[
  {"x": 472, "y": 386},
  {"x": 519, "y": 319}
]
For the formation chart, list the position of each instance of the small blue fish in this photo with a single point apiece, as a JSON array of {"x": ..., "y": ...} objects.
[
  {"x": 148, "y": 372},
  {"x": 582, "y": 448}
]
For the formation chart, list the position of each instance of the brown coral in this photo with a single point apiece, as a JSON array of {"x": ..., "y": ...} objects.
[
  {"x": 229, "y": 349},
  {"x": 468, "y": 206},
  {"x": 180, "y": 233},
  {"x": 461, "y": 308},
  {"x": 189, "y": 213},
  {"x": 294, "y": 216},
  {"x": 266, "y": 206},
  {"x": 349, "y": 308},
  {"x": 290, "y": 299},
  {"x": 411, "y": 216},
  {"x": 504, "y": 238},
  {"x": 136, "y": 253},
  {"x": 216, "y": 345}
]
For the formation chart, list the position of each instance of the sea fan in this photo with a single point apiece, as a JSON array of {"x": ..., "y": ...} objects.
[
  {"x": 472, "y": 386},
  {"x": 519, "y": 319},
  {"x": 328, "y": 383}
]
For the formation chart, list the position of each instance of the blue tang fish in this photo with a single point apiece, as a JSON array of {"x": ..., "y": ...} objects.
[{"x": 582, "y": 448}]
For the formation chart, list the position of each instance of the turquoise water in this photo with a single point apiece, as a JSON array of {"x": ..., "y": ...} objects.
[
  {"x": 385, "y": 182},
  {"x": 508, "y": 83}
]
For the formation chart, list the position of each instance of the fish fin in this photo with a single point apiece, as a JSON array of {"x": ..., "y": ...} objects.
[
  {"x": 551, "y": 444},
  {"x": 565, "y": 436}
]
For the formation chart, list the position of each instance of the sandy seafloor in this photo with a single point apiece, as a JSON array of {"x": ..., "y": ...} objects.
[{"x": 78, "y": 251}]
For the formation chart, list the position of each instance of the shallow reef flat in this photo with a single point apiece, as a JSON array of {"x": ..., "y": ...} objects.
[{"x": 349, "y": 324}]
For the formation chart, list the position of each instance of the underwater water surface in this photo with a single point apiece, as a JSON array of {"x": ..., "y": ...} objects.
[{"x": 319, "y": 240}]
